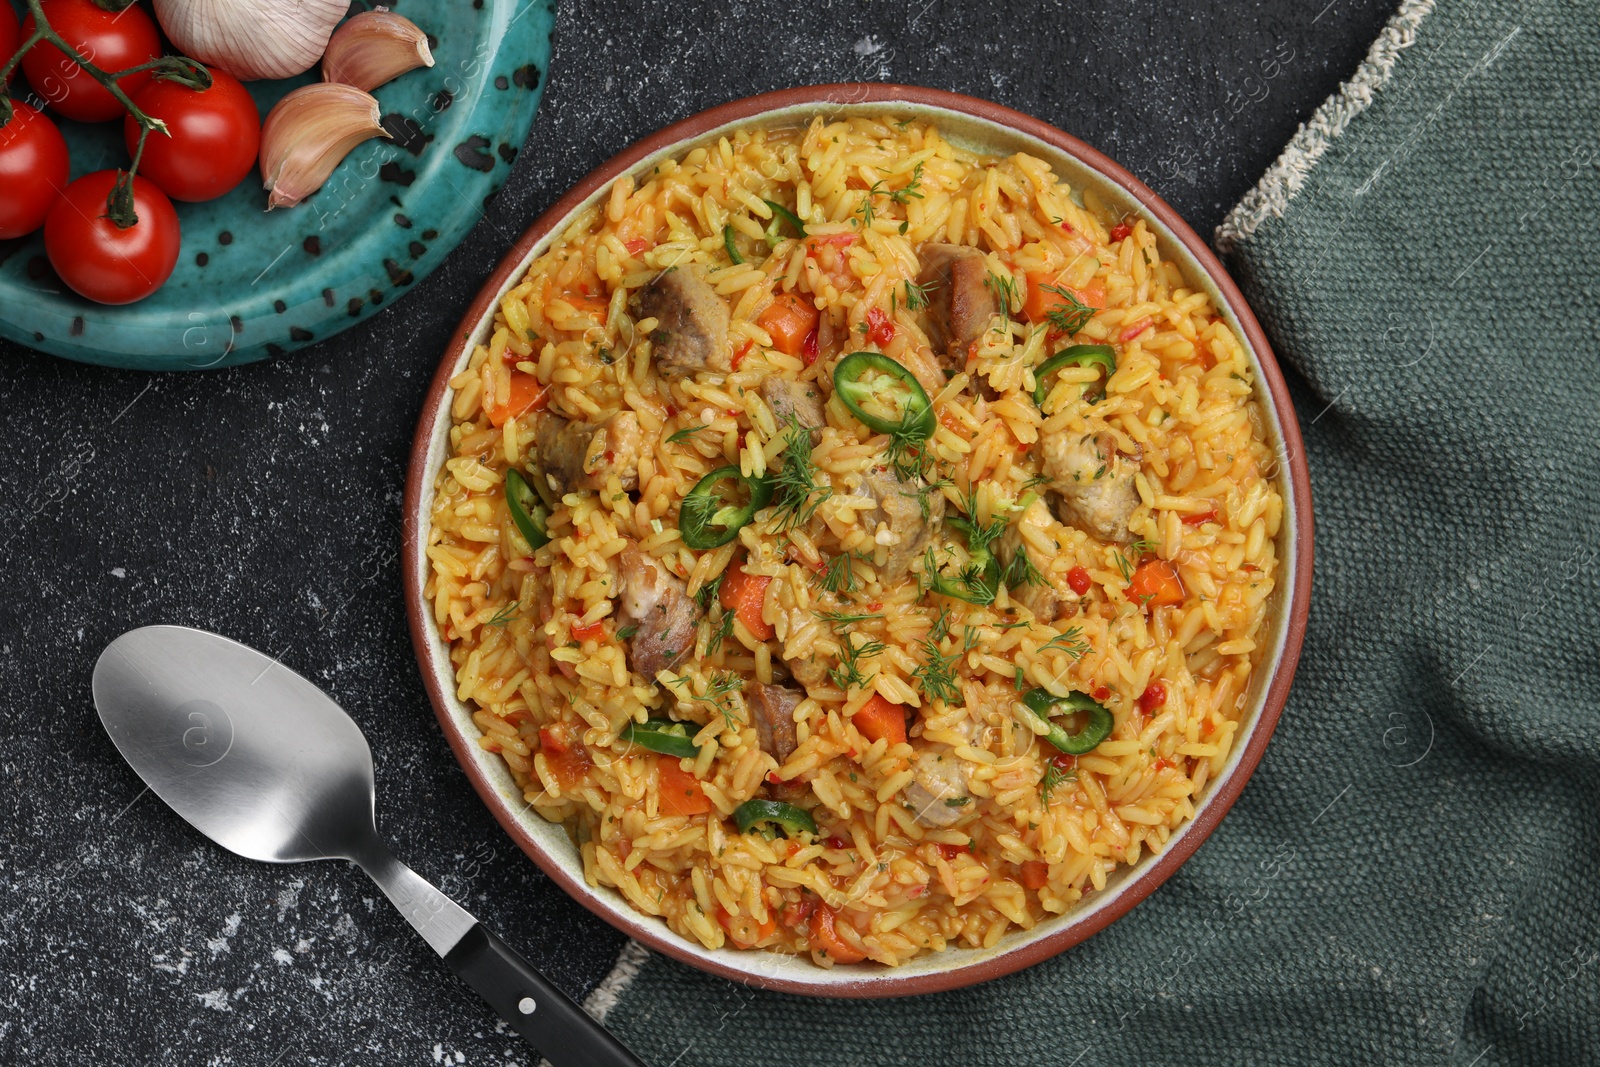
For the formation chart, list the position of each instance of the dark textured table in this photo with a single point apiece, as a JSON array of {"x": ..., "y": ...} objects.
[{"x": 264, "y": 503}]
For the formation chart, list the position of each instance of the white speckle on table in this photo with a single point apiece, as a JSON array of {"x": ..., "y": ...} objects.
[
  {"x": 216, "y": 1000},
  {"x": 289, "y": 897},
  {"x": 868, "y": 45},
  {"x": 282, "y": 957},
  {"x": 118, "y": 572},
  {"x": 219, "y": 944}
]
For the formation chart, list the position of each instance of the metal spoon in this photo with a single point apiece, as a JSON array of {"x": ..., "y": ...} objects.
[{"x": 265, "y": 764}]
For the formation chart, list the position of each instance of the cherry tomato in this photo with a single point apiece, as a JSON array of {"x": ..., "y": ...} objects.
[
  {"x": 111, "y": 42},
  {"x": 215, "y": 134},
  {"x": 33, "y": 170},
  {"x": 100, "y": 261},
  {"x": 10, "y": 35}
]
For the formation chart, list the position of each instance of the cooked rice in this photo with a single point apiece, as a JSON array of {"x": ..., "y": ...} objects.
[{"x": 1183, "y": 392}]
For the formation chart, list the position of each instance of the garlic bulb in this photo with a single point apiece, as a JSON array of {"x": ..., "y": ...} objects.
[
  {"x": 374, "y": 47},
  {"x": 308, "y": 133},
  {"x": 252, "y": 39}
]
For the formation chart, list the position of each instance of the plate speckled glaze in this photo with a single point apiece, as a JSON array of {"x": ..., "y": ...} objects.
[
  {"x": 992, "y": 130},
  {"x": 252, "y": 284}
]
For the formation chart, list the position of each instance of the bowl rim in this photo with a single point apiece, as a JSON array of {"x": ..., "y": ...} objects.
[{"x": 1138, "y": 886}]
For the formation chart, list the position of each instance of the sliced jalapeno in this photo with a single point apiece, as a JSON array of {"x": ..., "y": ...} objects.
[
  {"x": 781, "y": 215},
  {"x": 773, "y": 813},
  {"x": 527, "y": 511},
  {"x": 727, "y": 242},
  {"x": 666, "y": 736},
  {"x": 1073, "y": 356},
  {"x": 1045, "y": 704},
  {"x": 711, "y": 515},
  {"x": 863, "y": 378}
]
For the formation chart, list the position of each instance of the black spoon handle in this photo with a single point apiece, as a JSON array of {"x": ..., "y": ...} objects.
[{"x": 545, "y": 1017}]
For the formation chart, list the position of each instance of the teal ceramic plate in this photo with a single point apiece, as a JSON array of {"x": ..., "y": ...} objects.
[{"x": 251, "y": 284}]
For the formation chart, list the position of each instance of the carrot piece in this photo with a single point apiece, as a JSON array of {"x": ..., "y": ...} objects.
[
  {"x": 565, "y": 755},
  {"x": 1041, "y": 301},
  {"x": 787, "y": 320},
  {"x": 1155, "y": 584},
  {"x": 878, "y": 718},
  {"x": 826, "y": 937},
  {"x": 679, "y": 790},
  {"x": 1035, "y": 874},
  {"x": 586, "y": 633},
  {"x": 743, "y": 594},
  {"x": 525, "y": 394}
]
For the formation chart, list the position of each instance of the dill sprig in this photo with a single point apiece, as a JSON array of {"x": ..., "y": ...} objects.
[
  {"x": 720, "y": 632},
  {"x": 848, "y": 674},
  {"x": 899, "y": 196},
  {"x": 1126, "y": 556},
  {"x": 840, "y": 574},
  {"x": 718, "y": 687},
  {"x": 794, "y": 486},
  {"x": 1021, "y": 571},
  {"x": 1071, "y": 642},
  {"x": 686, "y": 433},
  {"x": 845, "y": 618},
  {"x": 1054, "y": 778},
  {"x": 1004, "y": 289},
  {"x": 937, "y": 674},
  {"x": 709, "y": 591},
  {"x": 917, "y": 295},
  {"x": 1071, "y": 317},
  {"x": 980, "y": 535},
  {"x": 504, "y": 616}
]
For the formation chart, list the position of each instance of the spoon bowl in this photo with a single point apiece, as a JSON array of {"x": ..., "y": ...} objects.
[
  {"x": 265, "y": 764},
  {"x": 278, "y": 772}
]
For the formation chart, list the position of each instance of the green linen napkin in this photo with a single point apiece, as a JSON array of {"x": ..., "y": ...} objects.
[{"x": 1413, "y": 874}]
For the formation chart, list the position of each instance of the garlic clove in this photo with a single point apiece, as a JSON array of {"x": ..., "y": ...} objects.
[
  {"x": 252, "y": 39},
  {"x": 309, "y": 133},
  {"x": 375, "y": 47}
]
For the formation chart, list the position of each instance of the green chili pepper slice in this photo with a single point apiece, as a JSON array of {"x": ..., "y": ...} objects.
[
  {"x": 781, "y": 215},
  {"x": 527, "y": 511},
  {"x": 666, "y": 736},
  {"x": 1043, "y": 703},
  {"x": 774, "y": 813},
  {"x": 727, "y": 242},
  {"x": 891, "y": 382},
  {"x": 709, "y": 518},
  {"x": 1073, "y": 356}
]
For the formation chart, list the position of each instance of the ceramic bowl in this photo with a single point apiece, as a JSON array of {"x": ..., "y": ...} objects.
[
  {"x": 252, "y": 284},
  {"x": 993, "y": 130}
]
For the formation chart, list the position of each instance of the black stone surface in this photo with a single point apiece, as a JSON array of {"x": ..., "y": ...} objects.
[{"x": 264, "y": 503}]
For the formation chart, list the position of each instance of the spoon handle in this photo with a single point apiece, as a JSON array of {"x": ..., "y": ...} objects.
[{"x": 544, "y": 1016}]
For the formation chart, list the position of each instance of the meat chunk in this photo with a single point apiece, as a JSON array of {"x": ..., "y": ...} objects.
[
  {"x": 938, "y": 796},
  {"x": 801, "y": 401},
  {"x": 896, "y": 507},
  {"x": 658, "y": 604},
  {"x": 1092, "y": 483},
  {"x": 808, "y": 672},
  {"x": 960, "y": 303},
  {"x": 772, "y": 707},
  {"x": 692, "y": 322},
  {"x": 578, "y": 455}
]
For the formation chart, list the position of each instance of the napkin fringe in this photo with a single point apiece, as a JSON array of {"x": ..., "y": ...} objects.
[
  {"x": 603, "y": 997},
  {"x": 1288, "y": 175}
]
